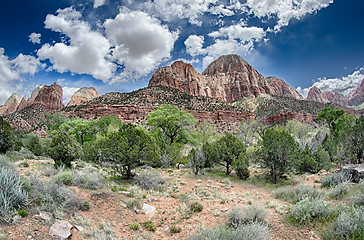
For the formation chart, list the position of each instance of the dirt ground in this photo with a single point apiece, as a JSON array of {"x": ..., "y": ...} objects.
[{"x": 218, "y": 195}]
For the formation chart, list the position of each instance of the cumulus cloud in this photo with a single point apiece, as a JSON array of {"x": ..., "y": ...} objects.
[
  {"x": 237, "y": 39},
  {"x": 343, "y": 85},
  {"x": 86, "y": 52},
  {"x": 141, "y": 42},
  {"x": 284, "y": 10},
  {"x": 68, "y": 93},
  {"x": 26, "y": 64},
  {"x": 98, "y": 3},
  {"x": 181, "y": 9},
  {"x": 35, "y": 37}
]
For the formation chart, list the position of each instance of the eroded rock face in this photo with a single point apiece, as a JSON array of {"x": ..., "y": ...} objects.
[
  {"x": 301, "y": 117},
  {"x": 228, "y": 79},
  {"x": 50, "y": 97},
  {"x": 10, "y": 105},
  {"x": 23, "y": 104},
  {"x": 281, "y": 88},
  {"x": 315, "y": 94},
  {"x": 83, "y": 95}
]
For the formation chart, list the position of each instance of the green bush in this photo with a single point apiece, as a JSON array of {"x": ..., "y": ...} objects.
[
  {"x": 133, "y": 204},
  {"x": 12, "y": 195},
  {"x": 150, "y": 181},
  {"x": 296, "y": 194},
  {"x": 196, "y": 207},
  {"x": 241, "y": 166},
  {"x": 23, "y": 213},
  {"x": 7, "y": 139},
  {"x": 311, "y": 210},
  {"x": 348, "y": 225},
  {"x": 336, "y": 178},
  {"x": 134, "y": 226},
  {"x": 252, "y": 231},
  {"x": 65, "y": 177},
  {"x": 150, "y": 225},
  {"x": 241, "y": 216}
]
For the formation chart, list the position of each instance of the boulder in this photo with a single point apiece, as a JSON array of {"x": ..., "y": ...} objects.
[
  {"x": 148, "y": 209},
  {"x": 60, "y": 230},
  {"x": 355, "y": 170}
]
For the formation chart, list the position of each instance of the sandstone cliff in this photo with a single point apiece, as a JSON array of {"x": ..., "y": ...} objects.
[
  {"x": 83, "y": 95},
  {"x": 50, "y": 97},
  {"x": 356, "y": 97},
  {"x": 228, "y": 79},
  {"x": 10, "y": 105},
  {"x": 281, "y": 88}
]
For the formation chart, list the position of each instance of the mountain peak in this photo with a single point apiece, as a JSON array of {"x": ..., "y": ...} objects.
[
  {"x": 83, "y": 95},
  {"x": 227, "y": 63},
  {"x": 10, "y": 105}
]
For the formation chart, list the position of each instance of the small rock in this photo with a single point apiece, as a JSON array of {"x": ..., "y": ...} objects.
[
  {"x": 122, "y": 204},
  {"x": 60, "y": 230},
  {"x": 46, "y": 216},
  {"x": 125, "y": 193},
  {"x": 148, "y": 209},
  {"x": 79, "y": 228}
]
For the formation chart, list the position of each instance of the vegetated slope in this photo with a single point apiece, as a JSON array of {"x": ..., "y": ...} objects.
[{"x": 157, "y": 96}]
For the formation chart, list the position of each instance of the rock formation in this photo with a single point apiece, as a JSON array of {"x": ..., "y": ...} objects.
[
  {"x": 50, "y": 97},
  {"x": 25, "y": 102},
  {"x": 354, "y": 98},
  {"x": 10, "y": 105},
  {"x": 281, "y": 88},
  {"x": 228, "y": 79},
  {"x": 83, "y": 95}
]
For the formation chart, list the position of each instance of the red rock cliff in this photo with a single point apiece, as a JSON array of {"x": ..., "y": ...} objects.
[{"x": 50, "y": 97}]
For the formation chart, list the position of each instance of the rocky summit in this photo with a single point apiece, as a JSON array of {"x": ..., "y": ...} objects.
[
  {"x": 230, "y": 78},
  {"x": 83, "y": 95},
  {"x": 10, "y": 105}
]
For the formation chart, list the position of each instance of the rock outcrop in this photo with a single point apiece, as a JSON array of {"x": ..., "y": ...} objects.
[
  {"x": 10, "y": 105},
  {"x": 50, "y": 97},
  {"x": 25, "y": 102},
  {"x": 83, "y": 95},
  {"x": 228, "y": 79},
  {"x": 281, "y": 88}
]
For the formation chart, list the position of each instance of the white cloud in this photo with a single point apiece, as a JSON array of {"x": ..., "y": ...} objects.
[
  {"x": 237, "y": 39},
  {"x": 194, "y": 45},
  {"x": 87, "y": 51},
  {"x": 68, "y": 93},
  {"x": 180, "y": 9},
  {"x": 284, "y": 10},
  {"x": 35, "y": 37},
  {"x": 303, "y": 91},
  {"x": 141, "y": 42},
  {"x": 7, "y": 76},
  {"x": 221, "y": 11},
  {"x": 26, "y": 64},
  {"x": 343, "y": 85},
  {"x": 98, "y": 3}
]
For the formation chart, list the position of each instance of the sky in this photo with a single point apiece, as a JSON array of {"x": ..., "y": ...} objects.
[{"x": 116, "y": 45}]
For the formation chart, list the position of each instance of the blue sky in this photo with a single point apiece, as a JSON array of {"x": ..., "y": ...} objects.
[{"x": 116, "y": 45}]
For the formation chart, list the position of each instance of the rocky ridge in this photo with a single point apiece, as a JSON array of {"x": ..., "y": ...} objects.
[
  {"x": 354, "y": 98},
  {"x": 228, "y": 79},
  {"x": 10, "y": 105}
]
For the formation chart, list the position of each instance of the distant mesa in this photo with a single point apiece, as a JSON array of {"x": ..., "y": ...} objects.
[{"x": 354, "y": 98}]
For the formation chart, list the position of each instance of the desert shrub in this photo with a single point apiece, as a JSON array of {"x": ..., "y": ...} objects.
[
  {"x": 23, "y": 213},
  {"x": 133, "y": 204},
  {"x": 134, "y": 226},
  {"x": 311, "y": 210},
  {"x": 359, "y": 197},
  {"x": 339, "y": 190},
  {"x": 103, "y": 232},
  {"x": 336, "y": 178},
  {"x": 252, "y": 231},
  {"x": 12, "y": 195},
  {"x": 65, "y": 177},
  {"x": 150, "y": 225},
  {"x": 348, "y": 225},
  {"x": 151, "y": 180},
  {"x": 296, "y": 194},
  {"x": 88, "y": 178},
  {"x": 240, "y": 216},
  {"x": 5, "y": 163},
  {"x": 53, "y": 196},
  {"x": 196, "y": 207},
  {"x": 22, "y": 154},
  {"x": 175, "y": 229}
]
